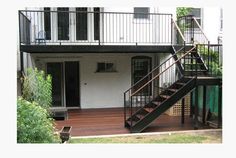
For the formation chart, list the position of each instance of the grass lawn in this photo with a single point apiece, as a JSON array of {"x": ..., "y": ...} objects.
[{"x": 174, "y": 138}]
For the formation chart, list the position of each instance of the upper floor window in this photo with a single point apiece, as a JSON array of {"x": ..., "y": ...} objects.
[
  {"x": 196, "y": 12},
  {"x": 47, "y": 23},
  {"x": 141, "y": 13},
  {"x": 63, "y": 23},
  {"x": 81, "y": 24}
]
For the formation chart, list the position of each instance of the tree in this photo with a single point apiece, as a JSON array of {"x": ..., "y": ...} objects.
[
  {"x": 37, "y": 87},
  {"x": 34, "y": 124},
  {"x": 182, "y": 11}
]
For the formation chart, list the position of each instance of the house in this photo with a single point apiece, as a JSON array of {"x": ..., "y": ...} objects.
[{"x": 116, "y": 57}]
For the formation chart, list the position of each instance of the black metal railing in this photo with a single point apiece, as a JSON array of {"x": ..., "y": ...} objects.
[
  {"x": 158, "y": 79},
  {"x": 24, "y": 29},
  {"x": 153, "y": 84},
  {"x": 94, "y": 27},
  {"x": 192, "y": 30},
  {"x": 211, "y": 55}
]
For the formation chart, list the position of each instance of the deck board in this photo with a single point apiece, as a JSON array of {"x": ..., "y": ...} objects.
[{"x": 90, "y": 122}]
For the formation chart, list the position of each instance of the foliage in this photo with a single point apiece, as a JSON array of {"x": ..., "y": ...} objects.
[
  {"x": 34, "y": 124},
  {"x": 182, "y": 11},
  {"x": 37, "y": 87},
  {"x": 214, "y": 65}
]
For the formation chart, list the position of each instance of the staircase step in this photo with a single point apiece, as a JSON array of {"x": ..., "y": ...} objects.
[
  {"x": 134, "y": 118},
  {"x": 148, "y": 114},
  {"x": 140, "y": 116},
  {"x": 194, "y": 64},
  {"x": 143, "y": 112},
  {"x": 180, "y": 83},
  {"x": 152, "y": 104},
  {"x": 172, "y": 90},
  {"x": 165, "y": 96},
  {"x": 191, "y": 58},
  {"x": 157, "y": 103},
  {"x": 148, "y": 109},
  {"x": 192, "y": 70}
]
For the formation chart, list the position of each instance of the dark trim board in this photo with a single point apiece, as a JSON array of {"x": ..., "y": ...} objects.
[
  {"x": 208, "y": 81},
  {"x": 95, "y": 49}
]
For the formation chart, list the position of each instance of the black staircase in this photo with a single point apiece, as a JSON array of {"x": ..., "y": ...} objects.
[{"x": 169, "y": 82}]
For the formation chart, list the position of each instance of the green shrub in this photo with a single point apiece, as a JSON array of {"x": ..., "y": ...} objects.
[
  {"x": 34, "y": 124},
  {"x": 37, "y": 87},
  {"x": 182, "y": 11}
]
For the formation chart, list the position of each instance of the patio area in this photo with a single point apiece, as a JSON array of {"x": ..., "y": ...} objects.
[{"x": 89, "y": 122}]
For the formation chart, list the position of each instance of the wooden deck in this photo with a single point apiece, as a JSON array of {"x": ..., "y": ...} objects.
[{"x": 111, "y": 121}]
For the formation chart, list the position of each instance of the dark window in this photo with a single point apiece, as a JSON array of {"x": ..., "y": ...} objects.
[
  {"x": 96, "y": 23},
  {"x": 81, "y": 24},
  {"x": 141, "y": 13},
  {"x": 47, "y": 23},
  {"x": 196, "y": 12},
  {"x": 141, "y": 66},
  {"x": 63, "y": 23},
  {"x": 105, "y": 67}
]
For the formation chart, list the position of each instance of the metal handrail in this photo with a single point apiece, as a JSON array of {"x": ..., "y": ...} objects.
[
  {"x": 200, "y": 28},
  {"x": 161, "y": 72},
  {"x": 151, "y": 72},
  {"x": 182, "y": 36}
]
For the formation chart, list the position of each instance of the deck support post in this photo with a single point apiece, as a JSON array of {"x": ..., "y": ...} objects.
[
  {"x": 196, "y": 109},
  {"x": 182, "y": 110},
  {"x": 220, "y": 106},
  {"x": 204, "y": 105},
  {"x": 191, "y": 105}
]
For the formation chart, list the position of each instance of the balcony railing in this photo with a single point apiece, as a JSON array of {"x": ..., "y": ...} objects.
[{"x": 64, "y": 27}]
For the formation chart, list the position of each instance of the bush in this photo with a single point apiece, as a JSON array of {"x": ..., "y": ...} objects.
[
  {"x": 37, "y": 87},
  {"x": 34, "y": 124}
]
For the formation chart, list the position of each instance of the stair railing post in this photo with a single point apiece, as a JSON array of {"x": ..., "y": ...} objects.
[
  {"x": 204, "y": 104},
  {"x": 182, "y": 110},
  {"x": 208, "y": 55},
  {"x": 131, "y": 112},
  {"x": 196, "y": 70},
  {"x": 220, "y": 106},
  {"x": 125, "y": 109},
  {"x": 192, "y": 29},
  {"x": 196, "y": 108},
  {"x": 184, "y": 57}
]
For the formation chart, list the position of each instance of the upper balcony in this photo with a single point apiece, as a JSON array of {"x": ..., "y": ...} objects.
[{"x": 66, "y": 29}]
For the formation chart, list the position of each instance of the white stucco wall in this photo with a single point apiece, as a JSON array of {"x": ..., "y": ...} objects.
[{"x": 98, "y": 90}]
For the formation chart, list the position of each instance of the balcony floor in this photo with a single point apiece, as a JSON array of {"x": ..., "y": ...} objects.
[
  {"x": 111, "y": 121},
  {"x": 95, "y": 48}
]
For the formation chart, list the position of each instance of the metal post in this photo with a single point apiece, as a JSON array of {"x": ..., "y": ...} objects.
[
  {"x": 19, "y": 29},
  {"x": 196, "y": 109},
  {"x": 125, "y": 109},
  {"x": 191, "y": 104},
  {"x": 182, "y": 110},
  {"x": 204, "y": 105},
  {"x": 220, "y": 107},
  {"x": 21, "y": 62},
  {"x": 99, "y": 29},
  {"x": 171, "y": 33}
]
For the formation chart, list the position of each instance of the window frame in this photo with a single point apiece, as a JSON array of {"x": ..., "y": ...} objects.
[
  {"x": 106, "y": 68},
  {"x": 137, "y": 16}
]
